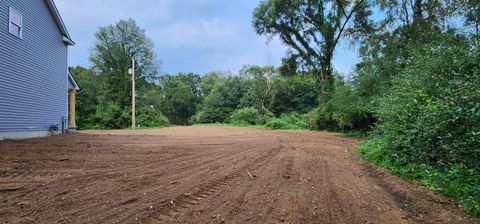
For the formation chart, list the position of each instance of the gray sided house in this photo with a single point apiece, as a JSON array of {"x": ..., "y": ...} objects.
[{"x": 37, "y": 93}]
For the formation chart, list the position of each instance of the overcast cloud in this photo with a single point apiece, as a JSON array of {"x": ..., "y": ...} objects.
[{"x": 189, "y": 35}]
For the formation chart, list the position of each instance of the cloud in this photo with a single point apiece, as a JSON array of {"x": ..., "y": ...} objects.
[
  {"x": 229, "y": 58},
  {"x": 83, "y": 17},
  {"x": 82, "y": 11},
  {"x": 202, "y": 33},
  {"x": 189, "y": 35}
]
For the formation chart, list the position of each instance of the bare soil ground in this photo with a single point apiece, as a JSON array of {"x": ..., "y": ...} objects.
[{"x": 206, "y": 175}]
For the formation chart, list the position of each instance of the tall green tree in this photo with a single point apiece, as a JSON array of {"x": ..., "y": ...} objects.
[
  {"x": 111, "y": 57},
  {"x": 194, "y": 82},
  {"x": 404, "y": 28},
  {"x": 153, "y": 98},
  {"x": 419, "y": 17},
  {"x": 262, "y": 81},
  {"x": 223, "y": 100},
  {"x": 209, "y": 81},
  {"x": 470, "y": 9},
  {"x": 87, "y": 100},
  {"x": 312, "y": 29},
  {"x": 294, "y": 94},
  {"x": 181, "y": 94}
]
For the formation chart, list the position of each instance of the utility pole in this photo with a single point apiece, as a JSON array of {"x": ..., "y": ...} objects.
[{"x": 133, "y": 93}]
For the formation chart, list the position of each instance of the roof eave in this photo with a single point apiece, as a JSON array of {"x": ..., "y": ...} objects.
[
  {"x": 58, "y": 20},
  {"x": 73, "y": 81},
  {"x": 68, "y": 41}
]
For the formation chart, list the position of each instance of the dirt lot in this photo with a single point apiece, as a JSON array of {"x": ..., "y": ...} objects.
[{"x": 206, "y": 175}]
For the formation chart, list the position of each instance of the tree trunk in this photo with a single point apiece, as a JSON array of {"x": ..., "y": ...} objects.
[{"x": 325, "y": 79}]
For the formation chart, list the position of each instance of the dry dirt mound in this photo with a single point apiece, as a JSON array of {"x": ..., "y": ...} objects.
[{"x": 206, "y": 175}]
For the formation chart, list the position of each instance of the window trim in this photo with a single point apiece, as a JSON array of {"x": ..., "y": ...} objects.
[{"x": 10, "y": 22}]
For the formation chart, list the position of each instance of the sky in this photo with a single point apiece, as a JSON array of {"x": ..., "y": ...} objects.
[{"x": 196, "y": 36}]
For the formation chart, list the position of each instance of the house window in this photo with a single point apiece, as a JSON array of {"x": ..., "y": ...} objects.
[{"x": 15, "y": 23}]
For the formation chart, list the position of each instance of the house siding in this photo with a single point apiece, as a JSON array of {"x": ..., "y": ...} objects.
[{"x": 33, "y": 70}]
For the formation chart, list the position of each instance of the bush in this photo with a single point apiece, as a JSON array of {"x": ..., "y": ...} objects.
[
  {"x": 147, "y": 117},
  {"x": 432, "y": 114},
  {"x": 343, "y": 112},
  {"x": 265, "y": 115},
  {"x": 292, "y": 121},
  {"x": 457, "y": 181},
  {"x": 430, "y": 121},
  {"x": 108, "y": 115},
  {"x": 249, "y": 115},
  {"x": 319, "y": 119},
  {"x": 195, "y": 119}
]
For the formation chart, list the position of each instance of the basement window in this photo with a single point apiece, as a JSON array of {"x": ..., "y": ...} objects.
[{"x": 15, "y": 23}]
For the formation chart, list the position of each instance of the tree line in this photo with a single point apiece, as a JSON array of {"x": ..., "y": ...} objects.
[
  {"x": 188, "y": 98},
  {"x": 415, "y": 90}
]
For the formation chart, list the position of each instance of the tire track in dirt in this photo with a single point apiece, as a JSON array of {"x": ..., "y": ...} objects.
[
  {"x": 272, "y": 187},
  {"x": 243, "y": 187},
  {"x": 343, "y": 201},
  {"x": 412, "y": 209},
  {"x": 217, "y": 162},
  {"x": 179, "y": 171},
  {"x": 197, "y": 175},
  {"x": 103, "y": 194},
  {"x": 204, "y": 191}
]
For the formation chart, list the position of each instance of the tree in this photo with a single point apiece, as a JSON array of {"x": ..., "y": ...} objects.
[
  {"x": 294, "y": 94},
  {"x": 193, "y": 81},
  {"x": 179, "y": 102},
  {"x": 262, "y": 81},
  {"x": 111, "y": 58},
  {"x": 313, "y": 29},
  {"x": 406, "y": 26},
  {"x": 87, "y": 96},
  {"x": 417, "y": 22},
  {"x": 250, "y": 99},
  {"x": 223, "y": 100},
  {"x": 153, "y": 98},
  {"x": 209, "y": 81},
  {"x": 470, "y": 9}
]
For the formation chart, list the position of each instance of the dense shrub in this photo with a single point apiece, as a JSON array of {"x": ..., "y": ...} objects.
[
  {"x": 265, "y": 115},
  {"x": 344, "y": 112},
  {"x": 249, "y": 115},
  {"x": 195, "y": 119},
  {"x": 433, "y": 112},
  {"x": 147, "y": 117},
  {"x": 313, "y": 120},
  {"x": 292, "y": 121},
  {"x": 107, "y": 115},
  {"x": 430, "y": 121}
]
